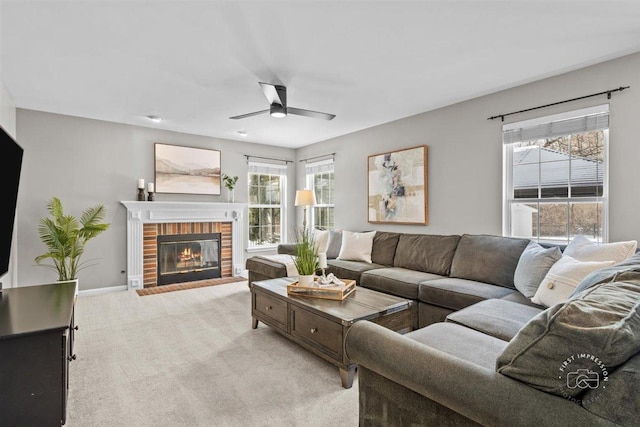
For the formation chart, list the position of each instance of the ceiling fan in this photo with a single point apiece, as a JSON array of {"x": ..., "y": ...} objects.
[{"x": 277, "y": 97}]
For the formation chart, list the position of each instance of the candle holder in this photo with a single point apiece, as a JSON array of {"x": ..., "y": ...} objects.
[
  {"x": 151, "y": 197},
  {"x": 141, "y": 196}
]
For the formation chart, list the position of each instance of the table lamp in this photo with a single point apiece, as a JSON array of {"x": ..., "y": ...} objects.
[{"x": 305, "y": 198}]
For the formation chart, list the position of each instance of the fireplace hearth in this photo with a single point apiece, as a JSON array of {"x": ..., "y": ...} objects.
[{"x": 188, "y": 257}]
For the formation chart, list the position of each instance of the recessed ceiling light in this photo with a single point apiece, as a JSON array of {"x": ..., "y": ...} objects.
[
  {"x": 242, "y": 133},
  {"x": 156, "y": 119}
]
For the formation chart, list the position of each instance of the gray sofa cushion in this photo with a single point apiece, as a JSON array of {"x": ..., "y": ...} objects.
[
  {"x": 349, "y": 269},
  {"x": 521, "y": 299},
  {"x": 384, "y": 248},
  {"x": 426, "y": 252},
  {"x": 606, "y": 274},
  {"x": 486, "y": 258},
  {"x": 396, "y": 281},
  {"x": 463, "y": 343},
  {"x": 533, "y": 266},
  {"x": 498, "y": 318},
  {"x": 620, "y": 403},
  {"x": 603, "y": 322},
  {"x": 458, "y": 293}
]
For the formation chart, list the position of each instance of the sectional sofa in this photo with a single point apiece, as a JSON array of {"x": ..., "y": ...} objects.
[
  {"x": 482, "y": 353},
  {"x": 441, "y": 273}
]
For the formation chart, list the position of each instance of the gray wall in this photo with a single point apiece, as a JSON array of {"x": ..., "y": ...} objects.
[
  {"x": 465, "y": 152},
  {"x": 84, "y": 162},
  {"x": 8, "y": 123}
]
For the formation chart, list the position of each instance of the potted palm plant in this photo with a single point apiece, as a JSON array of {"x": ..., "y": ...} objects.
[
  {"x": 65, "y": 237},
  {"x": 306, "y": 259}
]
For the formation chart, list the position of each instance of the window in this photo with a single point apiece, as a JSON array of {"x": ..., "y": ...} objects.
[
  {"x": 320, "y": 179},
  {"x": 266, "y": 204},
  {"x": 555, "y": 181}
]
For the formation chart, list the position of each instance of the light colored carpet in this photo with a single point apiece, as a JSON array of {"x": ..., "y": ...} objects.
[{"x": 190, "y": 358}]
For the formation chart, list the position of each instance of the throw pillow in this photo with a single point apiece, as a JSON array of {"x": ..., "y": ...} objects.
[
  {"x": 607, "y": 274},
  {"x": 321, "y": 238},
  {"x": 596, "y": 332},
  {"x": 562, "y": 278},
  {"x": 584, "y": 249},
  {"x": 334, "y": 244},
  {"x": 356, "y": 246},
  {"x": 533, "y": 266}
]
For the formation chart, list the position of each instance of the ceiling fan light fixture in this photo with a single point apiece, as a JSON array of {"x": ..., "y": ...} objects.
[{"x": 278, "y": 111}]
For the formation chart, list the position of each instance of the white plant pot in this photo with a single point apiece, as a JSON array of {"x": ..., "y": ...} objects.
[{"x": 306, "y": 280}]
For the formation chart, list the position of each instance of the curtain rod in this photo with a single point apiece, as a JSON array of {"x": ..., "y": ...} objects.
[
  {"x": 268, "y": 158},
  {"x": 319, "y": 157},
  {"x": 607, "y": 92}
]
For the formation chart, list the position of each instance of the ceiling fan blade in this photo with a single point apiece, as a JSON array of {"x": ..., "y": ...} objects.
[
  {"x": 309, "y": 113},
  {"x": 242, "y": 116},
  {"x": 275, "y": 94}
]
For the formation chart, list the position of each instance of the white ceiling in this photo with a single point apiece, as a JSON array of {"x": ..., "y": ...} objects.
[{"x": 196, "y": 63}]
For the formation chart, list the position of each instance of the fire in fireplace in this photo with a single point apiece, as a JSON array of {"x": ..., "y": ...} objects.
[{"x": 188, "y": 257}]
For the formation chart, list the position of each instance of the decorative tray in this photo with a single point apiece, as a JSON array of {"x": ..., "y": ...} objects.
[{"x": 334, "y": 292}]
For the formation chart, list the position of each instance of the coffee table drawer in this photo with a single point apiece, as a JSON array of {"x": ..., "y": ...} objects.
[
  {"x": 321, "y": 332},
  {"x": 272, "y": 308}
]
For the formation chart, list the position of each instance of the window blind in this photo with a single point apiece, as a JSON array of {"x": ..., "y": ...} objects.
[
  {"x": 588, "y": 123},
  {"x": 319, "y": 167},
  {"x": 267, "y": 168}
]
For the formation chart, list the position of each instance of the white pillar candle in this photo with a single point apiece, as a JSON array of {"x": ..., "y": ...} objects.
[
  {"x": 140, "y": 183},
  {"x": 150, "y": 187},
  {"x": 322, "y": 260}
]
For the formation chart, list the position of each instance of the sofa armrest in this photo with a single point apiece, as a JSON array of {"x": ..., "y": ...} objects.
[
  {"x": 476, "y": 392},
  {"x": 287, "y": 248}
]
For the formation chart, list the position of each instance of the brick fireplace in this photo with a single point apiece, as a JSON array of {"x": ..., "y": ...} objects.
[
  {"x": 148, "y": 220},
  {"x": 174, "y": 231}
]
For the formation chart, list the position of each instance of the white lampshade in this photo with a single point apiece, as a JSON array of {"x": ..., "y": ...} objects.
[{"x": 305, "y": 198}]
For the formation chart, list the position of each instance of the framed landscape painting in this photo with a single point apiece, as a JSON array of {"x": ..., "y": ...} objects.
[
  {"x": 189, "y": 170},
  {"x": 398, "y": 186}
]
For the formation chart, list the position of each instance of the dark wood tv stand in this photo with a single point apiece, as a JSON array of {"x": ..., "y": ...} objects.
[{"x": 36, "y": 346}]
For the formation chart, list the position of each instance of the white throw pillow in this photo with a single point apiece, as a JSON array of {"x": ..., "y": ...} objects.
[
  {"x": 321, "y": 238},
  {"x": 563, "y": 277},
  {"x": 584, "y": 249},
  {"x": 356, "y": 246}
]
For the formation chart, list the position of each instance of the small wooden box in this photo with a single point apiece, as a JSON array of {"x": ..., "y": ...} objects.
[{"x": 326, "y": 292}]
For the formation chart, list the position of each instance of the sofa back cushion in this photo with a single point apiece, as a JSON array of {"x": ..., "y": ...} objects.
[
  {"x": 384, "y": 247},
  {"x": 426, "y": 252},
  {"x": 573, "y": 347},
  {"x": 620, "y": 403},
  {"x": 487, "y": 258}
]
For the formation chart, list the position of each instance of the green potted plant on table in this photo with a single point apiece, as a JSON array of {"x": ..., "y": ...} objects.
[
  {"x": 65, "y": 237},
  {"x": 230, "y": 184},
  {"x": 306, "y": 259}
]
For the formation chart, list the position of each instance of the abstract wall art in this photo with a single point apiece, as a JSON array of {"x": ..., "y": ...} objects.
[{"x": 398, "y": 186}]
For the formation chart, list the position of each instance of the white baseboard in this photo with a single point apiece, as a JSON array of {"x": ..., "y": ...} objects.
[{"x": 99, "y": 291}]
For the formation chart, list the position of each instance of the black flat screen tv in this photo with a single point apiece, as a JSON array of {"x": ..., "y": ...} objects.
[{"x": 11, "y": 159}]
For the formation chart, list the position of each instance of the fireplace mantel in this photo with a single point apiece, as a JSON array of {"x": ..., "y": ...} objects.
[{"x": 139, "y": 213}]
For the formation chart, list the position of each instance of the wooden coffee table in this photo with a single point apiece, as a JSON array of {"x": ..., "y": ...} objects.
[{"x": 320, "y": 325}]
